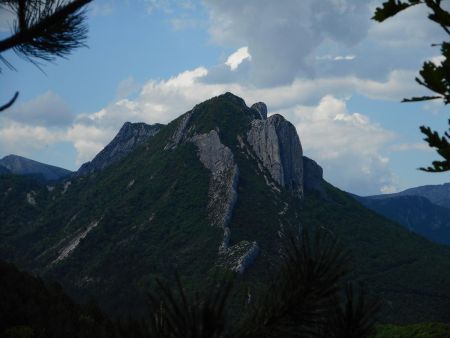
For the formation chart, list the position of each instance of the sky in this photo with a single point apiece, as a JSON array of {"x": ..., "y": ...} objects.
[{"x": 324, "y": 65}]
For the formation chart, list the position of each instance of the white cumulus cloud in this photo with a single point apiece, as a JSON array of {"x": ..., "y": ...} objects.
[
  {"x": 348, "y": 145},
  {"x": 235, "y": 59}
]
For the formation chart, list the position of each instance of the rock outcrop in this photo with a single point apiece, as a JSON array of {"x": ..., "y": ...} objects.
[
  {"x": 261, "y": 108},
  {"x": 73, "y": 243},
  {"x": 240, "y": 256},
  {"x": 248, "y": 258},
  {"x": 222, "y": 195},
  {"x": 180, "y": 133},
  {"x": 277, "y": 145},
  {"x": 128, "y": 138}
]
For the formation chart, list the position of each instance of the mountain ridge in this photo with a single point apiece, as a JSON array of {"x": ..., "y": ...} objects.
[
  {"x": 438, "y": 194},
  {"x": 422, "y": 209},
  {"x": 200, "y": 197},
  {"x": 129, "y": 136}
]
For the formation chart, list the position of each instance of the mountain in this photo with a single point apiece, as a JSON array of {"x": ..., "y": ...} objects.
[
  {"x": 4, "y": 170},
  {"x": 211, "y": 191},
  {"x": 416, "y": 213},
  {"x": 19, "y": 165},
  {"x": 129, "y": 136},
  {"x": 437, "y": 194}
]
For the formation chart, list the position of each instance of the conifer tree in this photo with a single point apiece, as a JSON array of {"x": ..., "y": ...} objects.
[{"x": 435, "y": 77}]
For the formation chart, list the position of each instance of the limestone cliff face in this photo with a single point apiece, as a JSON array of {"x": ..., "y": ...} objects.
[
  {"x": 277, "y": 146},
  {"x": 273, "y": 142},
  {"x": 219, "y": 159},
  {"x": 128, "y": 138}
]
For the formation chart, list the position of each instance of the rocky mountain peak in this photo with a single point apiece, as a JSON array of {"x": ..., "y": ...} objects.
[
  {"x": 276, "y": 143},
  {"x": 128, "y": 138},
  {"x": 261, "y": 108}
]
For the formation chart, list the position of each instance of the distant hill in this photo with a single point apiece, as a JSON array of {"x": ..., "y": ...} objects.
[
  {"x": 416, "y": 213},
  {"x": 19, "y": 165},
  {"x": 437, "y": 194}
]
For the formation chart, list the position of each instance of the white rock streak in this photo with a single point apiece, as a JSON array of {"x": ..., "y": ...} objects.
[{"x": 67, "y": 250}]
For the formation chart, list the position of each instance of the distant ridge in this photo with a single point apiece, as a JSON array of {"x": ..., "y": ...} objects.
[
  {"x": 437, "y": 194},
  {"x": 416, "y": 213},
  {"x": 19, "y": 165}
]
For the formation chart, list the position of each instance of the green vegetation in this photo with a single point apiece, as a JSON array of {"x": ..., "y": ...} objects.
[
  {"x": 31, "y": 309},
  {"x": 308, "y": 297},
  {"x": 422, "y": 330},
  {"x": 150, "y": 212},
  {"x": 408, "y": 273}
]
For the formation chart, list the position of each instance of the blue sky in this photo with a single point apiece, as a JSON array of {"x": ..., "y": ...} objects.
[{"x": 335, "y": 74}]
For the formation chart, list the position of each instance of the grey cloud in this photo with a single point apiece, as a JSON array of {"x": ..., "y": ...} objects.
[
  {"x": 47, "y": 109},
  {"x": 223, "y": 74},
  {"x": 283, "y": 36},
  {"x": 288, "y": 38}
]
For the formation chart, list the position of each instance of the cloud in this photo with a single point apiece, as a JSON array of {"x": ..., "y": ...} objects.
[
  {"x": 88, "y": 140},
  {"x": 47, "y": 109},
  {"x": 102, "y": 9},
  {"x": 316, "y": 106},
  {"x": 348, "y": 145},
  {"x": 169, "y": 6},
  {"x": 18, "y": 138},
  {"x": 317, "y": 39},
  {"x": 422, "y": 146},
  {"x": 235, "y": 59},
  {"x": 344, "y": 57},
  {"x": 127, "y": 87},
  {"x": 408, "y": 29},
  {"x": 327, "y": 129},
  {"x": 283, "y": 37},
  {"x": 185, "y": 23}
]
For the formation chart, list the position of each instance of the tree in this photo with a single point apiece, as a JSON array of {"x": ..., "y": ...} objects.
[
  {"x": 432, "y": 76},
  {"x": 311, "y": 296},
  {"x": 308, "y": 297},
  {"x": 43, "y": 30}
]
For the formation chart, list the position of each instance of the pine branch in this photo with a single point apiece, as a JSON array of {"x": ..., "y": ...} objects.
[
  {"x": 442, "y": 145},
  {"x": 391, "y": 8},
  {"x": 10, "y": 102},
  {"x": 301, "y": 297},
  {"x": 174, "y": 314},
  {"x": 46, "y": 29}
]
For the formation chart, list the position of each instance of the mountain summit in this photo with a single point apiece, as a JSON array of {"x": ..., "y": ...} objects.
[{"x": 211, "y": 191}]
